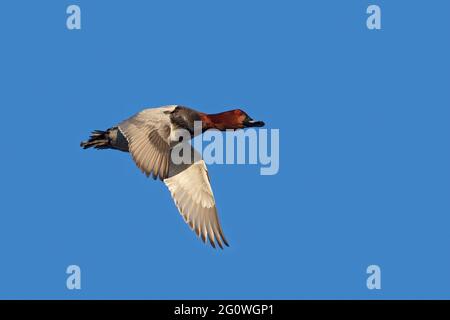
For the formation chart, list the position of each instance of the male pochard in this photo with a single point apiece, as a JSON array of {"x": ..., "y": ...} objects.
[{"x": 149, "y": 139}]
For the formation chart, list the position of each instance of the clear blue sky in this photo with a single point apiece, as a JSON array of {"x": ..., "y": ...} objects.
[{"x": 364, "y": 157}]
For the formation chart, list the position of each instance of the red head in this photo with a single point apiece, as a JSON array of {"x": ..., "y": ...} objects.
[{"x": 233, "y": 119}]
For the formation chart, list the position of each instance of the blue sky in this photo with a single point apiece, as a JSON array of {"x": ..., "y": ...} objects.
[{"x": 364, "y": 148}]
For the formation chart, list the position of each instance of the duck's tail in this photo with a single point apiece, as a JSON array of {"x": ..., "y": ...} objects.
[{"x": 99, "y": 140}]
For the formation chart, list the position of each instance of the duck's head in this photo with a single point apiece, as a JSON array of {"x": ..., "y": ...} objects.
[{"x": 233, "y": 119}]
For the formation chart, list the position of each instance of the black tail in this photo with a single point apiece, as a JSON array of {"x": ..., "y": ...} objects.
[{"x": 98, "y": 139}]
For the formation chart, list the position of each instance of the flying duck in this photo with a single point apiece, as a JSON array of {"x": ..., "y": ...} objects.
[{"x": 148, "y": 137}]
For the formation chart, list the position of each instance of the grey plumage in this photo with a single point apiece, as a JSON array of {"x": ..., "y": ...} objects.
[{"x": 148, "y": 137}]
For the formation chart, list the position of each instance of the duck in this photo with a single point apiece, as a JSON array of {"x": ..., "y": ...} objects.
[{"x": 149, "y": 138}]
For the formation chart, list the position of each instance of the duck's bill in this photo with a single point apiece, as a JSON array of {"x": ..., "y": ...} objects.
[{"x": 253, "y": 123}]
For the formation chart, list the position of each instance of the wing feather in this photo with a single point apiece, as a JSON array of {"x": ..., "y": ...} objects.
[
  {"x": 193, "y": 196},
  {"x": 148, "y": 136}
]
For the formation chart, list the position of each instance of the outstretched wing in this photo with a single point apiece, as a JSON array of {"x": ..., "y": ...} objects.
[{"x": 191, "y": 190}]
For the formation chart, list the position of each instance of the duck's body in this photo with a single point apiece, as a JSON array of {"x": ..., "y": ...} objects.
[{"x": 149, "y": 136}]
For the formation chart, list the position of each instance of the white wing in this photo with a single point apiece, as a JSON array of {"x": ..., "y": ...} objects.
[{"x": 193, "y": 196}]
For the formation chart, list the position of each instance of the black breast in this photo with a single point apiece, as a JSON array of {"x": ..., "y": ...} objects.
[{"x": 184, "y": 117}]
